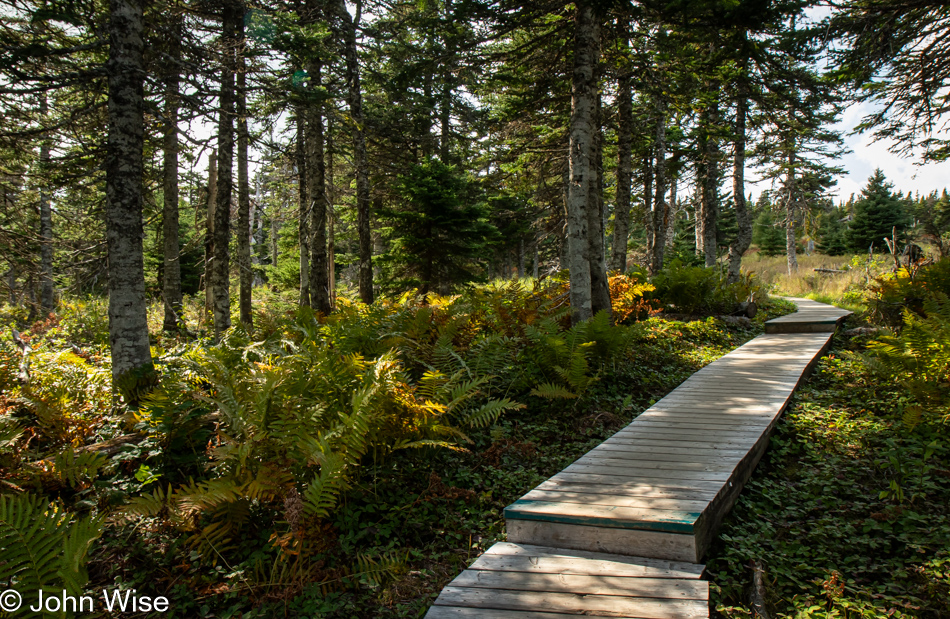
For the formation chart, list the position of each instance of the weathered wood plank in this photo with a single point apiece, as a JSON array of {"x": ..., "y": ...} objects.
[
  {"x": 600, "y": 605},
  {"x": 654, "y": 490},
  {"x": 612, "y": 451},
  {"x": 630, "y": 482},
  {"x": 506, "y": 556},
  {"x": 648, "y": 449},
  {"x": 458, "y": 612},
  {"x": 656, "y": 544},
  {"x": 666, "y": 474},
  {"x": 717, "y": 465},
  {"x": 609, "y": 516},
  {"x": 620, "y": 500},
  {"x": 665, "y": 442},
  {"x": 583, "y": 584}
]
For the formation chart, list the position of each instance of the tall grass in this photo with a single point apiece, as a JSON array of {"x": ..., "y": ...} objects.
[{"x": 842, "y": 289}]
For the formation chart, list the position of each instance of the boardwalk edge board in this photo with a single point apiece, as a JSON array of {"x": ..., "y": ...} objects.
[{"x": 621, "y": 532}]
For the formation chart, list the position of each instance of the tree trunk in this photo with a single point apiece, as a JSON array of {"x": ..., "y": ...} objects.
[
  {"x": 445, "y": 111},
  {"x": 710, "y": 185},
  {"x": 355, "y": 100},
  {"x": 659, "y": 208},
  {"x": 744, "y": 236},
  {"x": 582, "y": 130},
  {"x": 209, "y": 229},
  {"x": 648, "y": 196},
  {"x": 319, "y": 273},
  {"x": 331, "y": 217},
  {"x": 790, "y": 200},
  {"x": 672, "y": 210},
  {"x": 47, "y": 302},
  {"x": 275, "y": 224},
  {"x": 520, "y": 257},
  {"x": 624, "y": 165},
  {"x": 245, "y": 272},
  {"x": 220, "y": 268},
  {"x": 600, "y": 287},
  {"x": 128, "y": 325},
  {"x": 304, "y": 204},
  {"x": 171, "y": 281}
]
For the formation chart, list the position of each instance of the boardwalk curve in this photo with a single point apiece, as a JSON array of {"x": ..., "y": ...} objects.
[{"x": 621, "y": 532}]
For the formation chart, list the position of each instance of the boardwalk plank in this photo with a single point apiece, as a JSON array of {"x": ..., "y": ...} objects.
[
  {"x": 598, "y": 605},
  {"x": 584, "y": 584},
  {"x": 540, "y": 558}
]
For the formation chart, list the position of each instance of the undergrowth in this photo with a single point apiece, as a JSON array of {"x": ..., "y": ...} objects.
[
  {"x": 850, "y": 509},
  {"x": 334, "y": 466}
]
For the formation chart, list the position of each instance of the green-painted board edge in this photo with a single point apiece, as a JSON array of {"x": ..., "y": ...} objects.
[{"x": 683, "y": 524}]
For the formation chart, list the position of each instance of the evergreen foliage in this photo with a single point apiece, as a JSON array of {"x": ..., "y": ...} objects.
[
  {"x": 439, "y": 236},
  {"x": 876, "y": 213},
  {"x": 768, "y": 235},
  {"x": 832, "y": 232}
]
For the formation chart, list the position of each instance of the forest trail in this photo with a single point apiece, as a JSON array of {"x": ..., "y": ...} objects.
[{"x": 621, "y": 531}]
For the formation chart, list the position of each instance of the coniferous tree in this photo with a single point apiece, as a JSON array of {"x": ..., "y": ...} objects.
[
  {"x": 441, "y": 234},
  {"x": 768, "y": 234},
  {"x": 831, "y": 234},
  {"x": 876, "y": 214}
]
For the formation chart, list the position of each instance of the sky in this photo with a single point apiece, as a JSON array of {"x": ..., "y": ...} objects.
[{"x": 867, "y": 155}]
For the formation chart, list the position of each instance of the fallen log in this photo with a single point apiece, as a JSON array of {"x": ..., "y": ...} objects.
[{"x": 830, "y": 271}]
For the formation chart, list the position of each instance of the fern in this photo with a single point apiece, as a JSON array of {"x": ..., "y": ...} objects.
[
  {"x": 489, "y": 412},
  {"x": 550, "y": 391},
  {"x": 320, "y": 495},
  {"x": 42, "y": 547},
  {"x": 374, "y": 571},
  {"x": 77, "y": 469}
]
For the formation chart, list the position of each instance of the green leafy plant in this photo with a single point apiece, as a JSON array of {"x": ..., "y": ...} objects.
[{"x": 42, "y": 547}]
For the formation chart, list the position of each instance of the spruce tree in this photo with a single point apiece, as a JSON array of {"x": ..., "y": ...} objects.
[
  {"x": 768, "y": 235},
  {"x": 831, "y": 234},
  {"x": 876, "y": 213},
  {"x": 439, "y": 235}
]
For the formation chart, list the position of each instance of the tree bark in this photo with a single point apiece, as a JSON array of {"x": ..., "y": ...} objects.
[
  {"x": 790, "y": 200},
  {"x": 171, "y": 280},
  {"x": 624, "y": 167},
  {"x": 648, "y": 196},
  {"x": 445, "y": 111},
  {"x": 710, "y": 184},
  {"x": 582, "y": 130},
  {"x": 354, "y": 98},
  {"x": 245, "y": 271},
  {"x": 128, "y": 326},
  {"x": 47, "y": 301},
  {"x": 331, "y": 216},
  {"x": 744, "y": 236},
  {"x": 220, "y": 267},
  {"x": 600, "y": 287},
  {"x": 659, "y": 207},
  {"x": 304, "y": 204},
  {"x": 316, "y": 165},
  {"x": 209, "y": 229}
]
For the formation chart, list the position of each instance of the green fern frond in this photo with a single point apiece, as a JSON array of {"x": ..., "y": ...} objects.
[
  {"x": 550, "y": 391},
  {"x": 322, "y": 492},
  {"x": 76, "y": 469},
  {"x": 376, "y": 570},
  {"x": 42, "y": 547},
  {"x": 489, "y": 412}
]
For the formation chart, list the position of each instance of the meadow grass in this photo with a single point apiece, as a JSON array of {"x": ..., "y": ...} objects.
[{"x": 842, "y": 289}]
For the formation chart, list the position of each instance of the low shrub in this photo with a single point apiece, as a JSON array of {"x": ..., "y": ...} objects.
[
  {"x": 698, "y": 290},
  {"x": 890, "y": 295}
]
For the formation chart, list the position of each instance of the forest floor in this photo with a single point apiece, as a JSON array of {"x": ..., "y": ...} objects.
[{"x": 849, "y": 511}]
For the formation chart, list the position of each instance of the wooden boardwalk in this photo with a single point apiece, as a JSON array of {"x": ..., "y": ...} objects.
[{"x": 621, "y": 531}]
